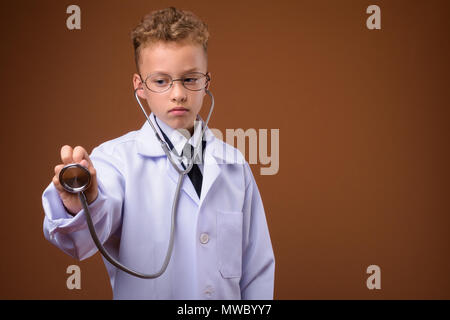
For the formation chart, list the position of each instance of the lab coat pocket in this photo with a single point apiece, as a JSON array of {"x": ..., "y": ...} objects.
[{"x": 229, "y": 241}]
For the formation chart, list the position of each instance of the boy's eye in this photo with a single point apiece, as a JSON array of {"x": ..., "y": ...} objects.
[
  {"x": 160, "y": 81},
  {"x": 190, "y": 80}
]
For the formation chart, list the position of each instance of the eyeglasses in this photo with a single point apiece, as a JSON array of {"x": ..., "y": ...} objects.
[{"x": 160, "y": 82}]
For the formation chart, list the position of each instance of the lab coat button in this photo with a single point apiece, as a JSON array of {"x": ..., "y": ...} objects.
[
  {"x": 204, "y": 238},
  {"x": 209, "y": 291}
]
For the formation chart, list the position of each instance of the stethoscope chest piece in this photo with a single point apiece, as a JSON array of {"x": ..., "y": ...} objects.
[{"x": 75, "y": 178}]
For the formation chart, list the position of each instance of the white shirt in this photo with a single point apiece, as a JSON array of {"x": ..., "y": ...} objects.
[
  {"x": 222, "y": 247},
  {"x": 179, "y": 140}
]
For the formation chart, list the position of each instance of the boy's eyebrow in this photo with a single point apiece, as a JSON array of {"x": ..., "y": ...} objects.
[
  {"x": 190, "y": 70},
  {"x": 185, "y": 71}
]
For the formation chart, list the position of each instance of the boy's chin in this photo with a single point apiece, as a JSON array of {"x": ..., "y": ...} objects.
[{"x": 178, "y": 124}]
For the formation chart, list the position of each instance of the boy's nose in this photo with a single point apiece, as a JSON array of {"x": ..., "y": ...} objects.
[{"x": 178, "y": 91}]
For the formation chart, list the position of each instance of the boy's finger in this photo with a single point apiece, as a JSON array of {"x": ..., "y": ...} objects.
[
  {"x": 84, "y": 163},
  {"x": 90, "y": 167},
  {"x": 57, "y": 185},
  {"x": 58, "y": 169},
  {"x": 79, "y": 153},
  {"x": 66, "y": 154}
]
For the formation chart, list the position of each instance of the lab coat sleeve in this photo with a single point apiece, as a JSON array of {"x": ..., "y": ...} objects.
[
  {"x": 258, "y": 262},
  {"x": 71, "y": 234}
]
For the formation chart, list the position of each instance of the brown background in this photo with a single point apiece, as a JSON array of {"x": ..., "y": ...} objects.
[{"x": 363, "y": 118}]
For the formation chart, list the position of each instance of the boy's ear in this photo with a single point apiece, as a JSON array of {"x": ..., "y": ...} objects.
[
  {"x": 209, "y": 82},
  {"x": 137, "y": 84}
]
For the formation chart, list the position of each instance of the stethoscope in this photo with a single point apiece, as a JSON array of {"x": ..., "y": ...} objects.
[{"x": 75, "y": 179}]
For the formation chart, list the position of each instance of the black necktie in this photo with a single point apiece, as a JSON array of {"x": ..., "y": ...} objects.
[{"x": 195, "y": 175}]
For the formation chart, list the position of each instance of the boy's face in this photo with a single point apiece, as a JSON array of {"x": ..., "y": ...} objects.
[{"x": 176, "y": 60}]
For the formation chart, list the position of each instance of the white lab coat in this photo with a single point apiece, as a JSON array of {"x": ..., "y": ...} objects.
[{"x": 222, "y": 247}]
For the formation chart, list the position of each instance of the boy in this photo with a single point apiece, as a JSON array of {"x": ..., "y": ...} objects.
[{"x": 222, "y": 248}]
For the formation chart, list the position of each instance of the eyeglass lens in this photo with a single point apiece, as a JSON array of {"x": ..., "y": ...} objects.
[{"x": 161, "y": 82}]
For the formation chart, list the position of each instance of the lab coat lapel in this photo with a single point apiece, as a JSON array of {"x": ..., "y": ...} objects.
[
  {"x": 217, "y": 155},
  {"x": 149, "y": 146},
  {"x": 215, "y": 149},
  {"x": 186, "y": 186},
  {"x": 211, "y": 171}
]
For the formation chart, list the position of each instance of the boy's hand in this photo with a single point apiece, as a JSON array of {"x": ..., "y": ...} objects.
[{"x": 71, "y": 200}]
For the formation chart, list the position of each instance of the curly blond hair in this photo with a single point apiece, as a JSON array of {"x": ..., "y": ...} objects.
[{"x": 169, "y": 25}]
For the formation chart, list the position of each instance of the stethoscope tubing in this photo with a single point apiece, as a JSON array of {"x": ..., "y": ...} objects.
[
  {"x": 164, "y": 144},
  {"x": 181, "y": 176},
  {"x": 116, "y": 263}
]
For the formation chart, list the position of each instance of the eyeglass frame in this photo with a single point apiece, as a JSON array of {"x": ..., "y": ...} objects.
[{"x": 208, "y": 79}]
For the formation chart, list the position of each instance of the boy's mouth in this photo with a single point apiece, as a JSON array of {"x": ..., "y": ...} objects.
[{"x": 178, "y": 111}]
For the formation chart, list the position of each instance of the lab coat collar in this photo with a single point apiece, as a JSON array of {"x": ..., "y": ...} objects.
[
  {"x": 216, "y": 150},
  {"x": 176, "y": 137},
  {"x": 215, "y": 154}
]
